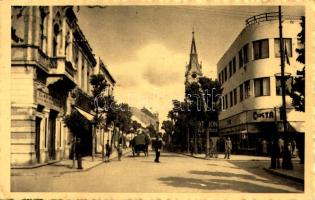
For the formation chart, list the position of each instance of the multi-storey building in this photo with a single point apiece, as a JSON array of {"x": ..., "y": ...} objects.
[
  {"x": 51, "y": 65},
  {"x": 249, "y": 72}
]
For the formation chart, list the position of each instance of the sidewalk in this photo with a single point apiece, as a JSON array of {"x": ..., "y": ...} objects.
[
  {"x": 65, "y": 166},
  {"x": 297, "y": 174}
]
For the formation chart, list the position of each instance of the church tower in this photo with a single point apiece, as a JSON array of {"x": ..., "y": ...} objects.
[{"x": 193, "y": 69}]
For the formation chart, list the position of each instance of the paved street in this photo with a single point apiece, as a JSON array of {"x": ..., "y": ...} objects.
[{"x": 175, "y": 173}]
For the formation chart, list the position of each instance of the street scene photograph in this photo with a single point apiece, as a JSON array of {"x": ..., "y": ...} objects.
[{"x": 158, "y": 99}]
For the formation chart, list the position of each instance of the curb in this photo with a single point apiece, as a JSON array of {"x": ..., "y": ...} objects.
[
  {"x": 296, "y": 179},
  {"x": 36, "y": 165}
]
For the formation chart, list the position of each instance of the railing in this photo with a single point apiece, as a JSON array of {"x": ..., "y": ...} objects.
[{"x": 268, "y": 17}]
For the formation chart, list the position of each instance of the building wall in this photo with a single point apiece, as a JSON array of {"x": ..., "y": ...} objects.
[
  {"x": 266, "y": 67},
  {"x": 43, "y": 73}
]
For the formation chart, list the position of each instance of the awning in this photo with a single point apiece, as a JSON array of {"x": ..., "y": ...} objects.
[{"x": 87, "y": 115}]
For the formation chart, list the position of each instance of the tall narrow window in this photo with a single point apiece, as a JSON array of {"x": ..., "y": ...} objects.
[
  {"x": 245, "y": 53},
  {"x": 231, "y": 99},
  {"x": 241, "y": 92},
  {"x": 235, "y": 96},
  {"x": 234, "y": 65},
  {"x": 240, "y": 59},
  {"x": 287, "y": 42},
  {"x": 225, "y": 74},
  {"x": 261, "y": 49},
  {"x": 55, "y": 40},
  {"x": 230, "y": 69},
  {"x": 262, "y": 86},
  {"x": 226, "y": 102},
  {"x": 247, "y": 89},
  {"x": 220, "y": 78}
]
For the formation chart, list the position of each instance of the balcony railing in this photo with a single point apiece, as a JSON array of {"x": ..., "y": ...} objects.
[{"x": 268, "y": 17}]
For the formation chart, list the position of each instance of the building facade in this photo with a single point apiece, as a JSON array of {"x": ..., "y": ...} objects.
[
  {"x": 249, "y": 72},
  {"x": 51, "y": 65}
]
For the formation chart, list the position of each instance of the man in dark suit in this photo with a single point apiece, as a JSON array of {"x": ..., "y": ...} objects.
[{"x": 157, "y": 148}]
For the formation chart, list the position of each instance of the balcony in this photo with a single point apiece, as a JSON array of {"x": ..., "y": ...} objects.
[{"x": 271, "y": 16}]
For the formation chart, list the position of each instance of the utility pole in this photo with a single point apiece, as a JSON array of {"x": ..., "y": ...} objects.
[{"x": 286, "y": 162}]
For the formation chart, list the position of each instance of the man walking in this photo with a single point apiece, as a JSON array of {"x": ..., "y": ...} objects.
[
  {"x": 108, "y": 151},
  {"x": 228, "y": 148},
  {"x": 158, "y": 147},
  {"x": 78, "y": 152}
]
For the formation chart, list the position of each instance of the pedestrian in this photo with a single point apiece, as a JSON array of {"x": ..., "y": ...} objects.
[
  {"x": 275, "y": 154},
  {"x": 293, "y": 149},
  {"x": 192, "y": 144},
  {"x": 264, "y": 147},
  {"x": 228, "y": 148},
  {"x": 119, "y": 151},
  {"x": 157, "y": 148},
  {"x": 108, "y": 150},
  {"x": 78, "y": 152},
  {"x": 211, "y": 148}
]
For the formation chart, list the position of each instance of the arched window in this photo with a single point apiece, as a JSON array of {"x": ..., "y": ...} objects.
[{"x": 55, "y": 40}]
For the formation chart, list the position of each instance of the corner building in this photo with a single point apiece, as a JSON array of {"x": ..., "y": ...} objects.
[
  {"x": 51, "y": 62},
  {"x": 249, "y": 72}
]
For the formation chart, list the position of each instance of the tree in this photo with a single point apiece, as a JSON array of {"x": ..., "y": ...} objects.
[
  {"x": 298, "y": 87},
  {"x": 99, "y": 85}
]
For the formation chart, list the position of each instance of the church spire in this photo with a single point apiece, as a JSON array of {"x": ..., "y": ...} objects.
[
  {"x": 193, "y": 69},
  {"x": 193, "y": 51}
]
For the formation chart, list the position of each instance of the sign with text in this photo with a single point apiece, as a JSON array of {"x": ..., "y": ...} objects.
[
  {"x": 264, "y": 115},
  {"x": 47, "y": 100}
]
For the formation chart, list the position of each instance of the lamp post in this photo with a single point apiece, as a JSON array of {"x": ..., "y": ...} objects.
[{"x": 286, "y": 162}]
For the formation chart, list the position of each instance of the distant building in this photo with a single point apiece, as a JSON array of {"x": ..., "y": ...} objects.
[
  {"x": 249, "y": 72},
  {"x": 51, "y": 65},
  {"x": 145, "y": 117}
]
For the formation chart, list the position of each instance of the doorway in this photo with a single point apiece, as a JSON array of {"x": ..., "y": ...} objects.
[
  {"x": 52, "y": 135},
  {"x": 37, "y": 138}
]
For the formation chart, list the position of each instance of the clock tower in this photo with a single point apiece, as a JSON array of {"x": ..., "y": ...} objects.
[{"x": 193, "y": 69}]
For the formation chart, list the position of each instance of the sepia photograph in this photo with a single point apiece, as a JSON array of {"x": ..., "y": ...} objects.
[{"x": 158, "y": 99}]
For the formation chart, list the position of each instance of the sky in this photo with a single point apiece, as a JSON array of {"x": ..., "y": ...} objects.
[{"x": 146, "y": 48}]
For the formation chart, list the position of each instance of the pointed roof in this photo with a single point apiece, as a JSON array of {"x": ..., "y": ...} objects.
[
  {"x": 193, "y": 49},
  {"x": 193, "y": 61}
]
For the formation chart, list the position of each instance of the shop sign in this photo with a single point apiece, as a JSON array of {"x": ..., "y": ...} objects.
[
  {"x": 213, "y": 126},
  {"x": 266, "y": 115},
  {"x": 47, "y": 100}
]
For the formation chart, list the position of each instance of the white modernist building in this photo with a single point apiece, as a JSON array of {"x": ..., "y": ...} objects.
[{"x": 249, "y": 72}]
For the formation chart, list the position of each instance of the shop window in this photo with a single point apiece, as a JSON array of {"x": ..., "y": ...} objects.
[
  {"x": 287, "y": 44},
  {"x": 241, "y": 92},
  {"x": 247, "y": 89},
  {"x": 262, "y": 87},
  {"x": 261, "y": 49},
  {"x": 288, "y": 85},
  {"x": 234, "y": 65}
]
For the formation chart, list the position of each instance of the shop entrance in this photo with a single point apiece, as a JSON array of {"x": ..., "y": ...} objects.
[
  {"x": 52, "y": 135},
  {"x": 37, "y": 138}
]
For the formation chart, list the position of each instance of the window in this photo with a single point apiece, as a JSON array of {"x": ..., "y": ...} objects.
[
  {"x": 226, "y": 101},
  {"x": 231, "y": 99},
  {"x": 225, "y": 74},
  {"x": 245, "y": 53},
  {"x": 230, "y": 68},
  {"x": 288, "y": 85},
  {"x": 240, "y": 59},
  {"x": 220, "y": 78},
  {"x": 241, "y": 92},
  {"x": 82, "y": 72},
  {"x": 261, "y": 49},
  {"x": 235, "y": 96},
  {"x": 55, "y": 40},
  {"x": 287, "y": 43},
  {"x": 234, "y": 65},
  {"x": 247, "y": 89},
  {"x": 262, "y": 87}
]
